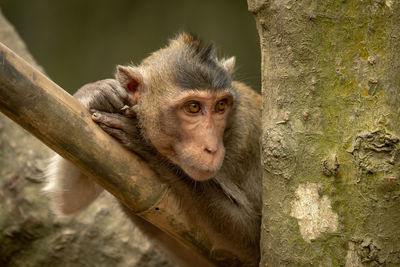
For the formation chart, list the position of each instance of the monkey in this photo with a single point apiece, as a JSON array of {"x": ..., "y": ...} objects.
[{"x": 197, "y": 128}]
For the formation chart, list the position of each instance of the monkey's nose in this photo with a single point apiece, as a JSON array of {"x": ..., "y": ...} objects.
[{"x": 211, "y": 150}]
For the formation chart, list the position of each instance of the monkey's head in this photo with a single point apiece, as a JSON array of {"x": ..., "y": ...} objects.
[{"x": 183, "y": 95}]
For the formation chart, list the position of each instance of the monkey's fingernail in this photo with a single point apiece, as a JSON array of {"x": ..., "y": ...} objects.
[
  {"x": 124, "y": 108},
  {"x": 95, "y": 115}
]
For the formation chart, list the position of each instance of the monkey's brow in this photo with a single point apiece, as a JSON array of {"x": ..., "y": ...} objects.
[
  {"x": 189, "y": 95},
  {"x": 201, "y": 76}
]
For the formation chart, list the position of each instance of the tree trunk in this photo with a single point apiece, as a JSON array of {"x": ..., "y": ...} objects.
[
  {"x": 29, "y": 234},
  {"x": 331, "y": 129}
]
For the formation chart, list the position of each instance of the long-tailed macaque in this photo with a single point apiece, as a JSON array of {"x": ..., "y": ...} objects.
[{"x": 199, "y": 130}]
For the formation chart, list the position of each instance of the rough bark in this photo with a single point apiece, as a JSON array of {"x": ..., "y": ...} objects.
[
  {"x": 29, "y": 234},
  {"x": 331, "y": 129}
]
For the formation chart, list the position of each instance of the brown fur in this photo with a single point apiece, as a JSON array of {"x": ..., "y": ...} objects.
[{"x": 228, "y": 204}]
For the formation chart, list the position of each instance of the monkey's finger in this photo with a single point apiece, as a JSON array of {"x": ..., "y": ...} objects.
[
  {"x": 109, "y": 119},
  {"x": 118, "y": 96},
  {"x": 116, "y": 102},
  {"x": 128, "y": 112},
  {"x": 109, "y": 100},
  {"x": 119, "y": 90},
  {"x": 116, "y": 133},
  {"x": 120, "y": 135}
]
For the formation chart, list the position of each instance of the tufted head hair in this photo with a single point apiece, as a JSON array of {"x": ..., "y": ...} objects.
[{"x": 190, "y": 63}]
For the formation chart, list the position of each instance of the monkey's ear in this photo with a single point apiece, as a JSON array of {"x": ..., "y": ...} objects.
[
  {"x": 229, "y": 64},
  {"x": 131, "y": 79}
]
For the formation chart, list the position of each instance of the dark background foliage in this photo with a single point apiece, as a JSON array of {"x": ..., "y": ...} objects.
[{"x": 81, "y": 41}]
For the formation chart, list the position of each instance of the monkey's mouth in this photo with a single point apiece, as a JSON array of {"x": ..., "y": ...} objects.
[{"x": 200, "y": 169}]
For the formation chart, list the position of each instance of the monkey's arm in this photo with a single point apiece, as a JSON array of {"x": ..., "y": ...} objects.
[{"x": 69, "y": 189}]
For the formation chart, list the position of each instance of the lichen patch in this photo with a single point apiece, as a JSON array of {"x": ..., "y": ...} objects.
[
  {"x": 352, "y": 259},
  {"x": 389, "y": 3},
  {"x": 313, "y": 212}
]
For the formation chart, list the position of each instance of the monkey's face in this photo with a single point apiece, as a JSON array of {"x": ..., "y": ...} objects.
[
  {"x": 194, "y": 125},
  {"x": 183, "y": 124}
]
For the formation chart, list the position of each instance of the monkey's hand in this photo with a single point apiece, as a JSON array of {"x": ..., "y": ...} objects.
[
  {"x": 124, "y": 128},
  {"x": 104, "y": 95}
]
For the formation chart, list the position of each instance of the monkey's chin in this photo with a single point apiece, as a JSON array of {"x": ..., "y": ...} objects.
[{"x": 199, "y": 175}]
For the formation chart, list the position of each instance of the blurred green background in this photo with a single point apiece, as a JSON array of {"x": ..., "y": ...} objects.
[{"x": 79, "y": 41}]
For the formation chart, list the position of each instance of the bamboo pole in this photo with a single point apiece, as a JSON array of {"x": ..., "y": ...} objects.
[{"x": 45, "y": 110}]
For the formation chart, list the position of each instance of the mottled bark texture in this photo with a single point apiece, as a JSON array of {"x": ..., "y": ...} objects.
[
  {"x": 29, "y": 234},
  {"x": 331, "y": 129}
]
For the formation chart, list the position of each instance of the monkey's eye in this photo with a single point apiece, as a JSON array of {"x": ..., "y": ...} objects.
[
  {"x": 192, "y": 107},
  {"x": 221, "y": 106}
]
